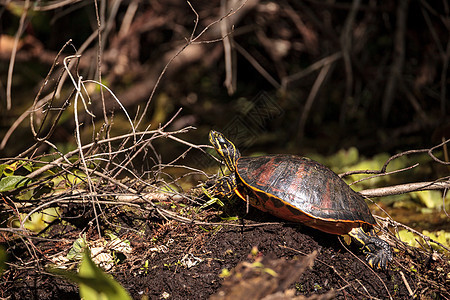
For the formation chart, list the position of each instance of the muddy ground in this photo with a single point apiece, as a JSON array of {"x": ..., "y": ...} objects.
[{"x": 259, "y": 256}]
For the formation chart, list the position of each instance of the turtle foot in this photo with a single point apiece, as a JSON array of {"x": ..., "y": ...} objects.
[{"x": 378, "y": 252}]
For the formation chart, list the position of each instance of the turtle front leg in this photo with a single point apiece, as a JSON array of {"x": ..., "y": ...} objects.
[
  {"x": 224, "y": 186},
  {"x": 378, "y": 252}
]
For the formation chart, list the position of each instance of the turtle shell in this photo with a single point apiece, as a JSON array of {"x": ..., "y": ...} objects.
[{"x": 301, "y": 190}]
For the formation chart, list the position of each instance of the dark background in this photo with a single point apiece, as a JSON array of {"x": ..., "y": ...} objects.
[{"x": 385, "y": 90}]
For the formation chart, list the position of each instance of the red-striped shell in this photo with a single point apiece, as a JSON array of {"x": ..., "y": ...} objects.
[{"x": 301, "y": 190}]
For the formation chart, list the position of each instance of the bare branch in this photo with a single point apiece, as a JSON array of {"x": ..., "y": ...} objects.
[
  {"x": 14, "y": 52},
  {"x": 406, "y": 188}
]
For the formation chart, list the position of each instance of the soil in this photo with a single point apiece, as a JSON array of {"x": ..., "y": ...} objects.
[{"x": 258, "y": 257}]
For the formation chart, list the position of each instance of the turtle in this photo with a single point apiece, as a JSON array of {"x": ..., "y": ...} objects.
[{"x": 299, "y": 189}]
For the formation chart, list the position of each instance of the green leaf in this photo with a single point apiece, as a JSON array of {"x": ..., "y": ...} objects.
[
  {"x": 345, "y": 157},
  {"x": 76, "y": 252},
  {"x": 440, "y": 236},
  {"x": 9, "y": 169},
  {"x": 105, "y": 285},
  {"x": 408, "y": 237},
  {"x": 27, "y": 166},
  {"x": 40, "y": 220},
  {"x": 212, "y": 199},
  {"x": 2, "y": 168},
  {"x": 93, "y": 282},
  {"x": 12, "y": 182},
  {"x": 26, "y": 195},
  {"x": 431, "y": 199}
]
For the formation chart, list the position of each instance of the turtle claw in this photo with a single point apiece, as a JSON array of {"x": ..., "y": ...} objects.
[
  {"x": 378, "y": 252},
  {"x": 378, "y": 261}
]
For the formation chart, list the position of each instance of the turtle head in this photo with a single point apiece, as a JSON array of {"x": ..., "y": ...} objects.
[{"x": 225, "y": 148}]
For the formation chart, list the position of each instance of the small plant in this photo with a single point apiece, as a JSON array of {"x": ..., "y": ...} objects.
[
  {"x": 317, "y": 287},
  {"x": 212, "y": 200},
  {"x": 300, "y": 287},
  {"x": 145, "y": 267},
  {"x": 170, "y": 265},
  {"x": 93, "y": 282},
  {"x": 225, "y": 273}
]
